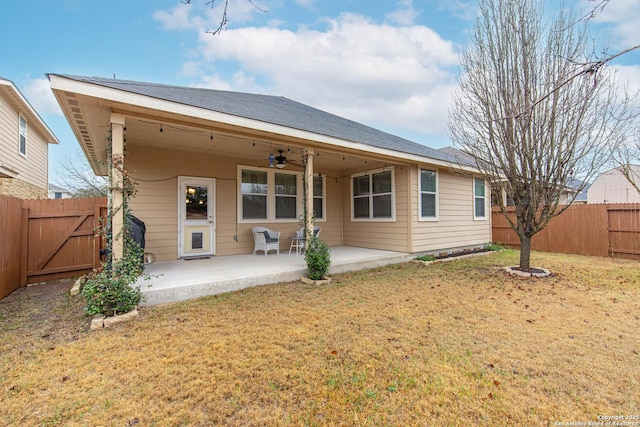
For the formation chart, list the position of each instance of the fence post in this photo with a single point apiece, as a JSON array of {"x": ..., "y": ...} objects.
[{"x": 24, "y": 260}]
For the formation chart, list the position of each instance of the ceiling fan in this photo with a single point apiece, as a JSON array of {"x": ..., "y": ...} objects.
[{"x": 278, "y": 161}]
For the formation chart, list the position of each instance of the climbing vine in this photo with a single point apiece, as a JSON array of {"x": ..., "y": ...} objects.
[{"x": 110, "y": 290}]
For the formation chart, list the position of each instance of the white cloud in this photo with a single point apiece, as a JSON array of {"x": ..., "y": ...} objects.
[
  {"x": 622, "y": 16},
  {"x": 628, "y": 77},
  {"x": 305, "y": 3},
  {"x": 462, "y": 9},
  {"x": 386, "y": 76},
  {"x": 40, "y": 96},
  {"x": 405, "y": 14}
]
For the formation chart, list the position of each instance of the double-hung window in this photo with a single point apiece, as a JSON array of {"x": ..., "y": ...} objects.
[
  {"x": 318, "y": 197},
  {"x": 373, "y": 195},
  {"x": 254, "y": 194},
  {"x": 479, "y": 199},
  {"x": 275, "y": 195},
  {"x": 428, "y": 194},
  {"x": 286, "y": 194},
  {"x": 22, "y": 139}
]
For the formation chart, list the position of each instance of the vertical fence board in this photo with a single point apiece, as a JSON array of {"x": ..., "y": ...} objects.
[
  {"x": 597, "y": 230},
  {"x": 10, "y": 244}
]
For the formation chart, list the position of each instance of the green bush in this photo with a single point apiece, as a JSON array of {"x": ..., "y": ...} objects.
[
  {"x": 493, "y": 247},
  {"x": 426, "y": 258},
  {"x": 318, "y": 259},
  {"x": 110, "y": 291}
]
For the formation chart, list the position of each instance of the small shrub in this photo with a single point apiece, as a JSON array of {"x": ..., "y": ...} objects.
[
  {"x": 493, "y": 247},
  {"x": 110, "y": 291},
  {"x": 426, "y": 258},
  {"x": 318, "y": 259}
]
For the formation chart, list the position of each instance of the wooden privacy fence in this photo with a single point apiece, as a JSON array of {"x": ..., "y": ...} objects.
[
  {"x": 598, "y": 230},
  {"x": 47, "y": 239}
]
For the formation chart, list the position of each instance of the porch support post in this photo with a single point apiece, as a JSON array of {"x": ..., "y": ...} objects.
[
  {"x": 308, "y": 173},
  {"x": 117, "y": 199}
]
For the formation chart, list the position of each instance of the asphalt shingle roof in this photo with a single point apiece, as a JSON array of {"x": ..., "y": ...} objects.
[{"x": 276, "y": 110}]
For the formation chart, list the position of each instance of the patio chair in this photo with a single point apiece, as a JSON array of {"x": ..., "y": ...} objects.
[
  {"x": 265, "y": 240},
  {"x": 297, "y": 241}
]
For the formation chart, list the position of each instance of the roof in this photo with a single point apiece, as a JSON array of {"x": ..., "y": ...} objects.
[
  {"x": 276, "y": 110},
  {"x": 10, "y": 89},
  {"x": 53, "y": 187}
]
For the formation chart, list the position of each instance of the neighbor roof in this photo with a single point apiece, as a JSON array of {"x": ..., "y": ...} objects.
[{"x": 276, "y": 110}]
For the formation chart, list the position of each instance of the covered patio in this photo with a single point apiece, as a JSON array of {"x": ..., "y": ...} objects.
[{"x": 184, "y": 279}]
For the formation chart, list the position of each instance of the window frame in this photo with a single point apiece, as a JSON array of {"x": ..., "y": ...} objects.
[
  {"x": 436, "y": 193},
  {"x": 476, "y": 197},
  {"x": 322, "y": 218},
  {"x": 371, "y": 195},
  {"x": 271, "y": 196},
  {"x": 21, "y": 119}
]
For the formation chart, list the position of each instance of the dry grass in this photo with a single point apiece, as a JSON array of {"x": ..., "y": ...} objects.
[{"x": 450, "y": 344}]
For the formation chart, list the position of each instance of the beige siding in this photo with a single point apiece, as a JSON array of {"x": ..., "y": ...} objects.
[
  {"x": 156, "y": 202},
  {"x": 32, "y": 168},
  {"x": 387, "y": 235},
  {"x": 455, "y": 226}
]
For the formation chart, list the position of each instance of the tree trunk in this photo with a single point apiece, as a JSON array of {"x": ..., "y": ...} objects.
[{"x": 525, "y": 253}]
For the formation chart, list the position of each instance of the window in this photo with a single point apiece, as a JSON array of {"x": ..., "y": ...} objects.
[
  {"x": 286, "y": 196},
  {"x": 275, "y": 195},
  {"x": 318, "y": 196},
  {"x": 428, "y": 194},
  {"x": 372, "y": 195},
  {"x": 479, "y": 204},
  {"x": 22, "y": 143},
  {"x": 254, "y": 194}
]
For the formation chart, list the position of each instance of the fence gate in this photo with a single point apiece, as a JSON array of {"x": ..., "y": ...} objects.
[
  {"x": 60, "y": 237},
  {"x": 624, "y": 231}
]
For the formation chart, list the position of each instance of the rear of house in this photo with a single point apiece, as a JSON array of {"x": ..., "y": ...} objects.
[
  {"x": 210, "y": 165},
  {"x": 24, "y": 146}
]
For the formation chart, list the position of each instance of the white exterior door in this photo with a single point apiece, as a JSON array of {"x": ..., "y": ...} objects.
[{"x": 196, "y": 221}]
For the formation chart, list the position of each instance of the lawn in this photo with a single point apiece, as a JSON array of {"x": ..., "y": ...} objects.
[{"x": 457, "y": 343}]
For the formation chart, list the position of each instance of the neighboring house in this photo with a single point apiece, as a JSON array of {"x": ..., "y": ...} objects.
[
  {"x": 579, "y": 198},
  {"x": 56, "y": 192},
  {"x": 24, "y": 146},
  {"x": 210, "y": 165},
  {"x": 613, "y": 187}
]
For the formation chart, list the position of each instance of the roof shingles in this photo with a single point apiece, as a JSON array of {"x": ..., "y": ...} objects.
[{"x": 276, "y": 110}]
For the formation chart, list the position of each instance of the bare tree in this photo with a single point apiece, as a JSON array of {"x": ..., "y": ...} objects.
[
  {"x": 627, "y": 160},
  {"x": 530, "y": 128},
  {"x": 224, "y": 17},
  {"x": 75, "y": 174}
]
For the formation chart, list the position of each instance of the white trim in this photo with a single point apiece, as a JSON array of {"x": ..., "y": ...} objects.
[
  {"x": 484, "y": 198},
  {"x": 371, "y": 195},
  {"x": 271, "y": 195},
  {"x": 40, "y": 124},
  {"x": 324, "y": 197},
  {"x": 211, "y": 213},
  {"x": 117, "y": 95},
  {"x": 437, "y": 196},
  {"x": 21, "y": 118}
]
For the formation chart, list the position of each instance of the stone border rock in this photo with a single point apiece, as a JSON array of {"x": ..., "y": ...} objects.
[
  {"x": 100, "y": 321},
  {"x": 453, "y": 258},
  {"x": 541, "y": 272},
  {"x": 307, "y": 281},
  {"x": 75, "y": 290}
]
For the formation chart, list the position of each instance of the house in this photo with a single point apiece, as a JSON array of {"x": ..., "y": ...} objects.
[
  {"x": 56, "y": 192},
  {"x": 24, "y": 146},
  {"x": 613, "y": 187},
  {"x": 211, "y": 164}
]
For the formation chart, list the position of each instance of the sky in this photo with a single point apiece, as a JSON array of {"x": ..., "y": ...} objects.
[{"x": 389, "y": 64}]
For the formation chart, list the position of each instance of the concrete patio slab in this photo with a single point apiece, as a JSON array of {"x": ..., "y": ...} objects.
[{"x": 179, "y": 280}]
